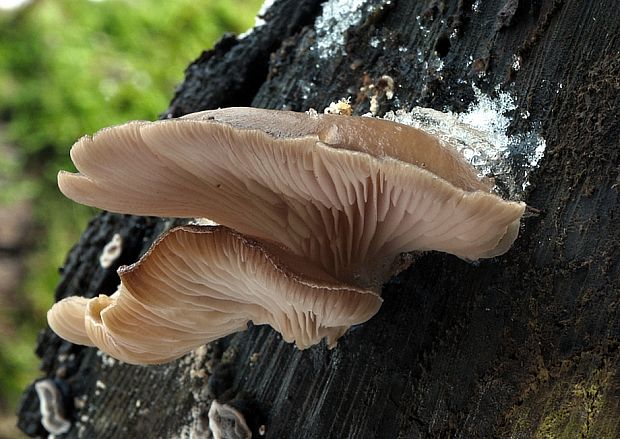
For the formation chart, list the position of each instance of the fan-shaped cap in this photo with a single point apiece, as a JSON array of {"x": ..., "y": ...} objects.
[
  {"x": 69, "y": 323},
  {"x": 347, "y": 193},
  {"x": 198, "y": 284}
]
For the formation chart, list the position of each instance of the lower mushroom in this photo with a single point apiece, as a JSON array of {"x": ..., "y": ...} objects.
[{"x": 197, "y": 284}]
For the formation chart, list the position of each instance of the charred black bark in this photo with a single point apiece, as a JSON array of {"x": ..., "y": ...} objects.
[{"x": 526, "y": 345}]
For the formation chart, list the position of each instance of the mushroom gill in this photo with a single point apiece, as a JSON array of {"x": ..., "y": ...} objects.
[
  {"x": 197, "y": 284},
  {"x": 347, "y": 193}
]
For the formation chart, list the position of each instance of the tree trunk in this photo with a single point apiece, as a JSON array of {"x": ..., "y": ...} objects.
[{"x": 524, "y": 345}]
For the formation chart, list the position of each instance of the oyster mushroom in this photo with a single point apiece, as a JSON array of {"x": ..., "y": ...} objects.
[
  {"x": 322, "y": 207},
  {"x": 347, "y": 193},
  {"x": 197, "y": 284}
]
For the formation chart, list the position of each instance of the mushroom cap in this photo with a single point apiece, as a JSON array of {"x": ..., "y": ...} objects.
[
  {"x": 197, "y": 284},
  {"x": 377, "y": 137},
  {"x": 69, "y": 323},
  {"x": 347, "y": 193}
]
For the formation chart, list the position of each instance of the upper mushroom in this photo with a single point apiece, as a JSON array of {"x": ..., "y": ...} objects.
[{"x": 347, "y": 193}]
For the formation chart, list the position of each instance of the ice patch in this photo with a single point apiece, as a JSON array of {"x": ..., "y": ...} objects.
[
  {"x": 337, "y": 17},
  {"x": 479, "y": 134}
]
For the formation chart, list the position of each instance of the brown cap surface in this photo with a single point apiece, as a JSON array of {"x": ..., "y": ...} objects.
[
  {"x": 198, "y": 284},
  {"x": 347, "y": 193}
]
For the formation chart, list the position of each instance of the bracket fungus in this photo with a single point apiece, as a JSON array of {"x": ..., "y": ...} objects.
[
  {"x": 219, "y": 282},
  {"x": 226, "y": 422},
  {"x": 320, "y": 207},
  {"x": 53, "y": 416}
]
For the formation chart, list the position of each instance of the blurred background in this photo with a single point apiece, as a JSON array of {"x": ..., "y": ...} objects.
[{"x": 68, "y": 68}]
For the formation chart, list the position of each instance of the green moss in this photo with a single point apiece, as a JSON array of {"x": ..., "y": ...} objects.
[
  {"x": 577, "y": 412},
  {"x": 559, "y": 424},
  {"x": 67, "y": 69}
]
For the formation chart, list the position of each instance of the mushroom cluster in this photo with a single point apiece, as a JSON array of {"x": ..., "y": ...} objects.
[{"x": 317, "y": 209}]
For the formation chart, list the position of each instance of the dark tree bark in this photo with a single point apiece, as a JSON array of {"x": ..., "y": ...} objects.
[{"x": 525, "y": 345}]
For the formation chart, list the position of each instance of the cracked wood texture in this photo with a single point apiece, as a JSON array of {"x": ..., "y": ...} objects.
[{"x": 525, "y": 345}]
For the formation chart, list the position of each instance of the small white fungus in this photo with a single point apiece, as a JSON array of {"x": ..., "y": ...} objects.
[
  {"x": 226, "y": 422},
  {"x": 111, "y": 251},
  {"x": 51, "y": 407}
]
